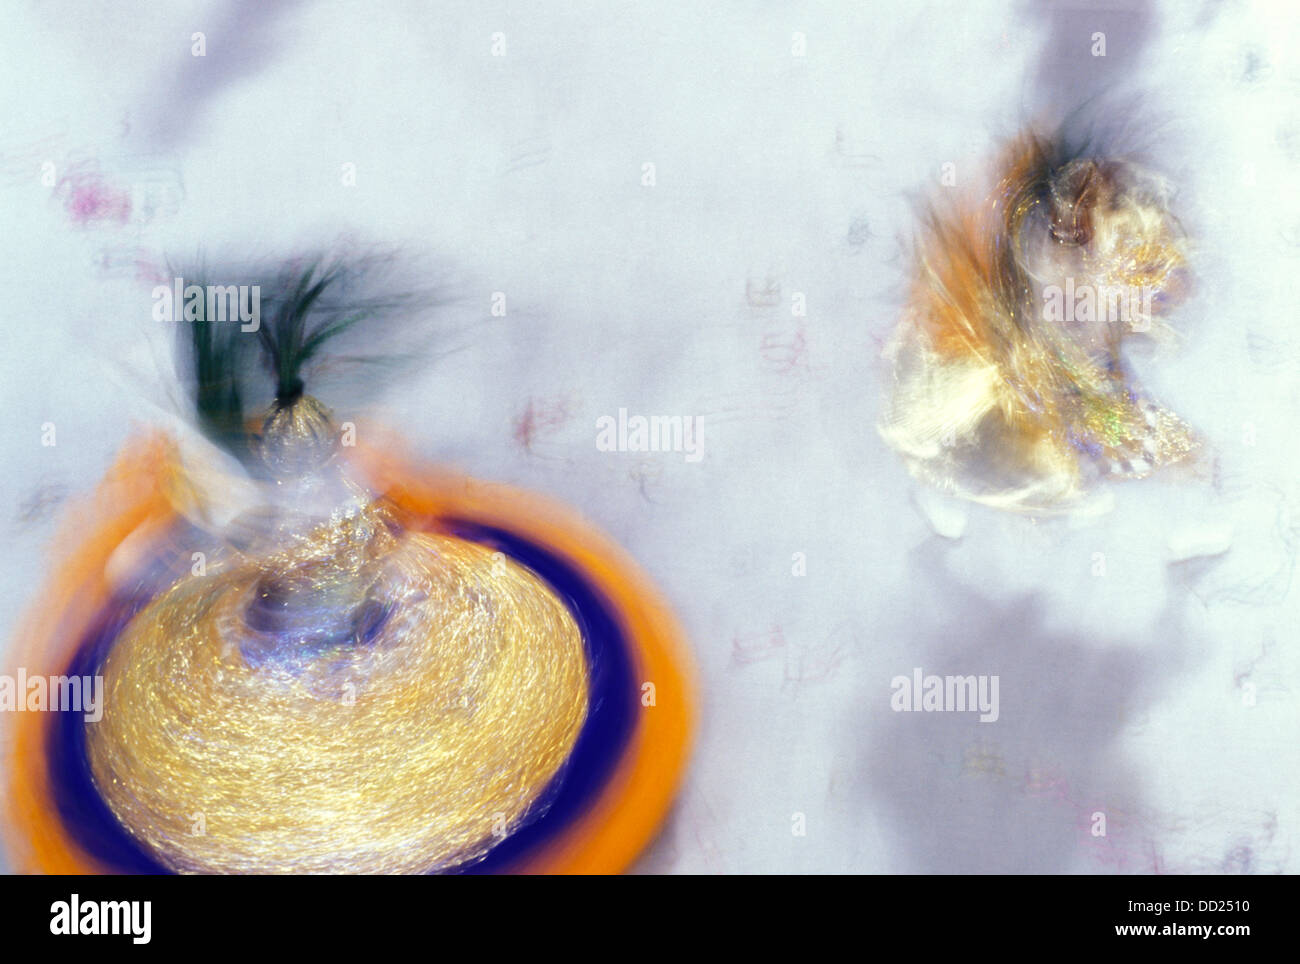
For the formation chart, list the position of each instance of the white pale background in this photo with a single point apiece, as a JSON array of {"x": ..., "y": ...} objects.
[{"x": 1162, "y": 692}]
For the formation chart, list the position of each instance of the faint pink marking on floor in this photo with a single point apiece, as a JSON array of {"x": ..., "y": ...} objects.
[
  {"x": 755, "y": 647},
  {"x": 89, "y": 198},
  {"x": 541, "y": 417},
  {"x": 785, "y": 355}
]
